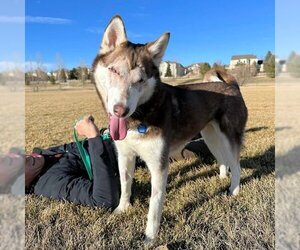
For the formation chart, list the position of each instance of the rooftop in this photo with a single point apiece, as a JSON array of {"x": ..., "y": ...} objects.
[{"x": 249, "y": 56}]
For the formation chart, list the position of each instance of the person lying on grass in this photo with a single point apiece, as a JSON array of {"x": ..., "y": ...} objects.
[{"x": 59, "y": 172}]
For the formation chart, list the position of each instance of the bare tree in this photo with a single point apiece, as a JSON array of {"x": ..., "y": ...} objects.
[
  {"x": 83, "y": 72},
  {"x": 60, "y": 70},
  {"x": 293, "y": 65},
  {"x": 31, "y": 76},
  {"x": 41, "y": 70},
  {"x": 29, "y": 72},
  {"x": 243, "y": 73}
]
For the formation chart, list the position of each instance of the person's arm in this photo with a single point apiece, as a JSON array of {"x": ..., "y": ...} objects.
[
  {"x": 105, "y": 185},
  {"x": 105, "y": 181}
]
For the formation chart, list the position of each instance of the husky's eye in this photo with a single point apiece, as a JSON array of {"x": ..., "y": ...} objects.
[
  {"x": 142, "y": 67},
  {"x": 112, "y": 69}
]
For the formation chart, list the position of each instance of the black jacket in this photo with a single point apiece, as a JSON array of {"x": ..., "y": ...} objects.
[{"x": 68, "y": 180}]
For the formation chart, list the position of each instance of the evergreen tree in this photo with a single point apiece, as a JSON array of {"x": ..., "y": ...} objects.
[
  {"x": 268, "y": 55},
  {"x": 52, "y": 79},
  {"x": 293, "y": 65},
  {"x": 168, "y": 71},
  {"x": 291, "y": 57},
  {"x": 269, "y": 64},
  {"x": 27, "y": 79},
  {"x": 73, "y": 74},
  {"x": 254, "y": 69},
  {"x": 203, "y": 68}
]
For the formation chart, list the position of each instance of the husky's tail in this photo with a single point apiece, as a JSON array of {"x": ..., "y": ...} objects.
[{"x": 219, "y": 75}]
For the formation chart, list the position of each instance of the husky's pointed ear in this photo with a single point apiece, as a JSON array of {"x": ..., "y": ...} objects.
[
  {"x": 114, "y": 35},
  {"x": 157, "y": 48}
]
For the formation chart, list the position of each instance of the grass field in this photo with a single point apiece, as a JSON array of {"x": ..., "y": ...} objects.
[
  {"x": 12, "y": 215},
  {"x": 11, "y": 126},
  {"x": 197, "y": 214},
  {"x": 287, "y": 163}
]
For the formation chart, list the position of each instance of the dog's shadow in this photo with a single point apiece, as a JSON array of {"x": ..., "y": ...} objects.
[
  {"x": 256, "y": 129},
  {"x": 142, "y": 190},
  {"x": 288, "y": 164},
  {"x": 264, "y": 164}
]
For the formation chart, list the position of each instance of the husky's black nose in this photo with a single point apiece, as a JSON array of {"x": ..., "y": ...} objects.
[{"x": 120, "y": 110}]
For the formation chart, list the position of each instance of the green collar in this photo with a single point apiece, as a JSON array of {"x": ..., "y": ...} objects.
[{"x": 84, "y": 155}]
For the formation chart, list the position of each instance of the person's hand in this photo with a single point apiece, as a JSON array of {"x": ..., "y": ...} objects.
[{"x": 86, "y": 127}]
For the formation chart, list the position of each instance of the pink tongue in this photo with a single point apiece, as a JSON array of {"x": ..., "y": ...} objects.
[{"x": 117, "y": 128}]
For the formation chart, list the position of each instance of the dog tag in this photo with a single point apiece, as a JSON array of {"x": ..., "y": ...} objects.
[{"x": 142, "y": 128}]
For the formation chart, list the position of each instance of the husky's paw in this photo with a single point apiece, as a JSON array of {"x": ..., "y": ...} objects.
[
  {"x": 148, "y": 239},
  {"x": 122, "y": 208},
  {"x": 150, "y": 235},
  {"x": 233, "y": 192}
]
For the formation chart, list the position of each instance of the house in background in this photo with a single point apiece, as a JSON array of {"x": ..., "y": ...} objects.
[
  {"x": 176, "y": 69},
  {"x": 193, "y": 69},
  {"x": 242, "y": 59},
  {"x": 260, "y": 66},
  {"x": 281, "y": 64}
]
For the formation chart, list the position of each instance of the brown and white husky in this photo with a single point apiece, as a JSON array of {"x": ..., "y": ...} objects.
[{"x": 151, "y": 119}]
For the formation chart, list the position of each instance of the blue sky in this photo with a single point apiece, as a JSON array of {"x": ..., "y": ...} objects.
[
  {"x": 287, "y": 27},
  {"x": 200, "y": 30},
  {"x": 12, "y": 33}
]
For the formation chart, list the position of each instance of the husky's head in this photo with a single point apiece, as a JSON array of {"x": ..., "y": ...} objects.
[{"x": 126, "y": 74}]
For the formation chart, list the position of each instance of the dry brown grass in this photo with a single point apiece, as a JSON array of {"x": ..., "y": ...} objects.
[
  {"x": 12, "y": 228},
  {"x": 11, "y": 119},
  {"x": 287, "y": 163},
  {"x": 197, "y": 213}
]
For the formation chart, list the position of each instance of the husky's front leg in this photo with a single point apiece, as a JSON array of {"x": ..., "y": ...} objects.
[
  {"x": 159, "y": 176},
  {"x": 126, "y": 161}
]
